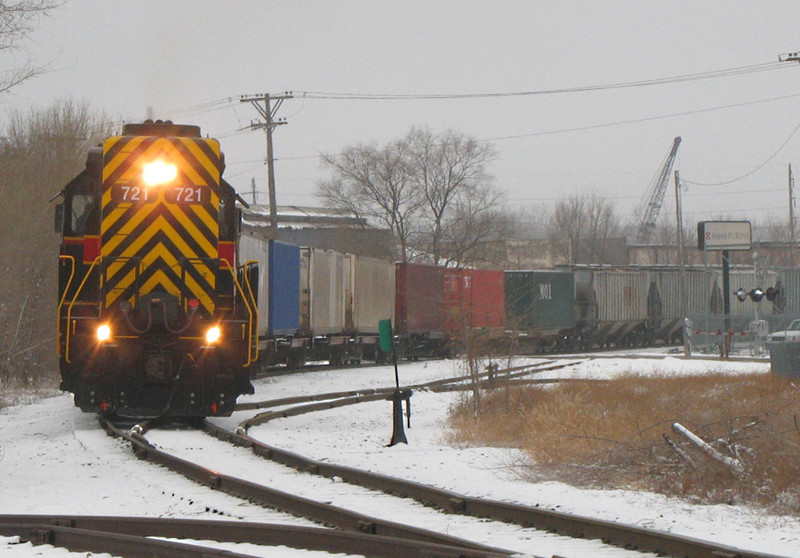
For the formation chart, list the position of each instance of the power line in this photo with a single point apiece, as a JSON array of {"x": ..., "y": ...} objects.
[
  {"x": 603, "y": 125},
  {"x": 714, "y": 74},
  {"x": 644, "y": 119},
  {"x": 755, "y": 170}
]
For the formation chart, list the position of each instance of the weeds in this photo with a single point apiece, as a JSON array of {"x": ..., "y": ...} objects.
[{"x": 618, "y": 434}]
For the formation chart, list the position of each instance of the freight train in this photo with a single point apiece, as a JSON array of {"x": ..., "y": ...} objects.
[{"x": 166, "y": 307}]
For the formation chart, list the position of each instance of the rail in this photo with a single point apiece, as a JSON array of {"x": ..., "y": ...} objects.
[
  {"x": 132, "y": 536},
  {"x": 316, "y": 511}
]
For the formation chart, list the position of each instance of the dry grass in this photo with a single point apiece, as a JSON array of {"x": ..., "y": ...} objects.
[
  {"x": 614, "y": 434},
  {"x": 11, "y": 395}
]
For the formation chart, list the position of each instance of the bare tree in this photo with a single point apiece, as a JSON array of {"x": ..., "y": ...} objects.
[
  {"x": 430, "y": 190},
  {"x": 567, "y": 227},
  {"x": 603, "y": 225},
  {"x": 17, "y": 20},
  {"x": 43, "y": 151},
  {"x": 450, "y": 173},
  {"x": 373, "y": 182},
  {"x": 582, "y": 228}
]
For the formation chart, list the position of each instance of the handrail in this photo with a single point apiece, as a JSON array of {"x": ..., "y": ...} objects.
[
  {"x": 63, "y": 298},
  {"x": 226, "y": 265},
  {"x": 252, "y": 299},
  {"x": 96, "y": 261}
]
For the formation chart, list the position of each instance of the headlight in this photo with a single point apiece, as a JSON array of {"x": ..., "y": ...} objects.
[
  {"x": 212, "y": 335},
  {"x": 103, "y": 332},
  {"x": 159, "y": 172}
]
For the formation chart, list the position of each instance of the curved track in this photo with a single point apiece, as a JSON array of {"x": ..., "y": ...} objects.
[
  {"x": 356, "y": 533},
  {"x": 624, "y": 536}
]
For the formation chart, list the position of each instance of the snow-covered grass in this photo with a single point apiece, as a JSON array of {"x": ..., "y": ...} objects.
[{"x": 57, "y": 460}]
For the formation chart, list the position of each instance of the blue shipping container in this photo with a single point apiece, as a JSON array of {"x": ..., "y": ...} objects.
[{"x": 284, "y": 288}]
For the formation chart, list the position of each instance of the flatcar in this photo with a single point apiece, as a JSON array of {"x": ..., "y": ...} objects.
[{"x": 154, "y": 317}]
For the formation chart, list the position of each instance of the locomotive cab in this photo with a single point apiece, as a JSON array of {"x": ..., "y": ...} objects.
[{"x": 154, "y": 317}]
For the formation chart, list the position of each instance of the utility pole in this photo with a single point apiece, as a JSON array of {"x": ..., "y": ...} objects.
[
  {"x": 687, "y": 350},
  {"x": 791, "y": 217},
  {"x": 263, "y": 104}
]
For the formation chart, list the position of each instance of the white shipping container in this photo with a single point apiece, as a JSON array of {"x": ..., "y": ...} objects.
[
  {"x": 370, "y": 293},
  {"x": 322, "y": 291},
  {"x": 255, "y": 248}
]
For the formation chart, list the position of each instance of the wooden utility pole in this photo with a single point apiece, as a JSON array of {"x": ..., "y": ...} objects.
[
  {"x": 791, "y": 216},
  {"x": 263, "y": 104},
  {"x": 687, "y": 350}
]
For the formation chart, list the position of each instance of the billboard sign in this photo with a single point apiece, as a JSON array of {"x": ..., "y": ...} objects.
[{"x": 724, "y": 235}]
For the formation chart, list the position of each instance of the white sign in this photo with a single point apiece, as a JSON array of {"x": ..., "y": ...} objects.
[{"x": 724, "y": 235}]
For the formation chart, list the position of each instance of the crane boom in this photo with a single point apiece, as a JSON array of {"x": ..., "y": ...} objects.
[{"x": 646, "y": 213}]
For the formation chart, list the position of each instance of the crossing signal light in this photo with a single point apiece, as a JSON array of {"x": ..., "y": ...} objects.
[
  {"x": 772, "y": 293},
  {"x": 741, "y": 294},
  {"x": 757, "y": 294}
]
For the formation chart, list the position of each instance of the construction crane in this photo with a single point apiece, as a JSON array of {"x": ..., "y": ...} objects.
[{"x": 646, "y": 213}]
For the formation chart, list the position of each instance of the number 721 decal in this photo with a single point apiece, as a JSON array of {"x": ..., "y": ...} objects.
[{"x": 178, "y": 194}]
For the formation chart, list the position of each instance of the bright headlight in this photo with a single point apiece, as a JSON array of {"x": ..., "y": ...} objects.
[
  {"x": 159, "y": 172},
  {"x": 103, "y": 332},
  {"x": 213, "y": 334}
]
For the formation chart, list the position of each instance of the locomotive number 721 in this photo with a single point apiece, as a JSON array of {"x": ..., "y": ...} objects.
[{"x": 178, "y": 194}]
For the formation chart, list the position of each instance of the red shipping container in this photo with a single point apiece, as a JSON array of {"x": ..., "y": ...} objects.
[
  {"x": 474, "y": 299},
  {"x": 419, "y": 299}
]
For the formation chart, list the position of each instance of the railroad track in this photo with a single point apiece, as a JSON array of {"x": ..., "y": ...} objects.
[
  {"x": 624, "y": 536},
  {"x": 615, "y": 534},
  {"x": 355, "y": 533},
  {"x": 132, "y": 537}
]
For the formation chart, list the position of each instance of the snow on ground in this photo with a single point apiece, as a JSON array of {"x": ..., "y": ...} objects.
[{"x": 78, "y": 470}]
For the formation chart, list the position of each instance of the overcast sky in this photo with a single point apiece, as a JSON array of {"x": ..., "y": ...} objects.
[{"x": 191, "y": 61}]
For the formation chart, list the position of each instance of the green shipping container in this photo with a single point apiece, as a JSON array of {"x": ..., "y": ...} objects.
[{"x": 540, "y": 300}]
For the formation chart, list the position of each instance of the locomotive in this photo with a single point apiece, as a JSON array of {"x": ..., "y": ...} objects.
[{"x": 154, "y": 317}]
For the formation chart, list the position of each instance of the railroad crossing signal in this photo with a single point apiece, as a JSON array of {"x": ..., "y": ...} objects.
[{"x": 757, "y": 294}]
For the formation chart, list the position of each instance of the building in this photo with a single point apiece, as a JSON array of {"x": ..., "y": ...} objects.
[{"x": 325, "y": 228}]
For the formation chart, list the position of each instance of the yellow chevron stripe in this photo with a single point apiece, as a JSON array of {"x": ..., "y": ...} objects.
[
  {"x": 200, "y": 211},
  {"x": 111, "y": 166},
  {"x": 120, "y": 287},
  {"x": 202, "y": 158},
  {"x": 209, "y": 250},
  {"x": 192, "y": 158},
  {"x": 145, "y": 235},
  {"x": 160, "y": 278},
  {"x": 116, "y": 214},
  {"x": 139, "y": 216},
  {"x": 159, "y": 250},
  {"x": 151, "y": 152}
]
